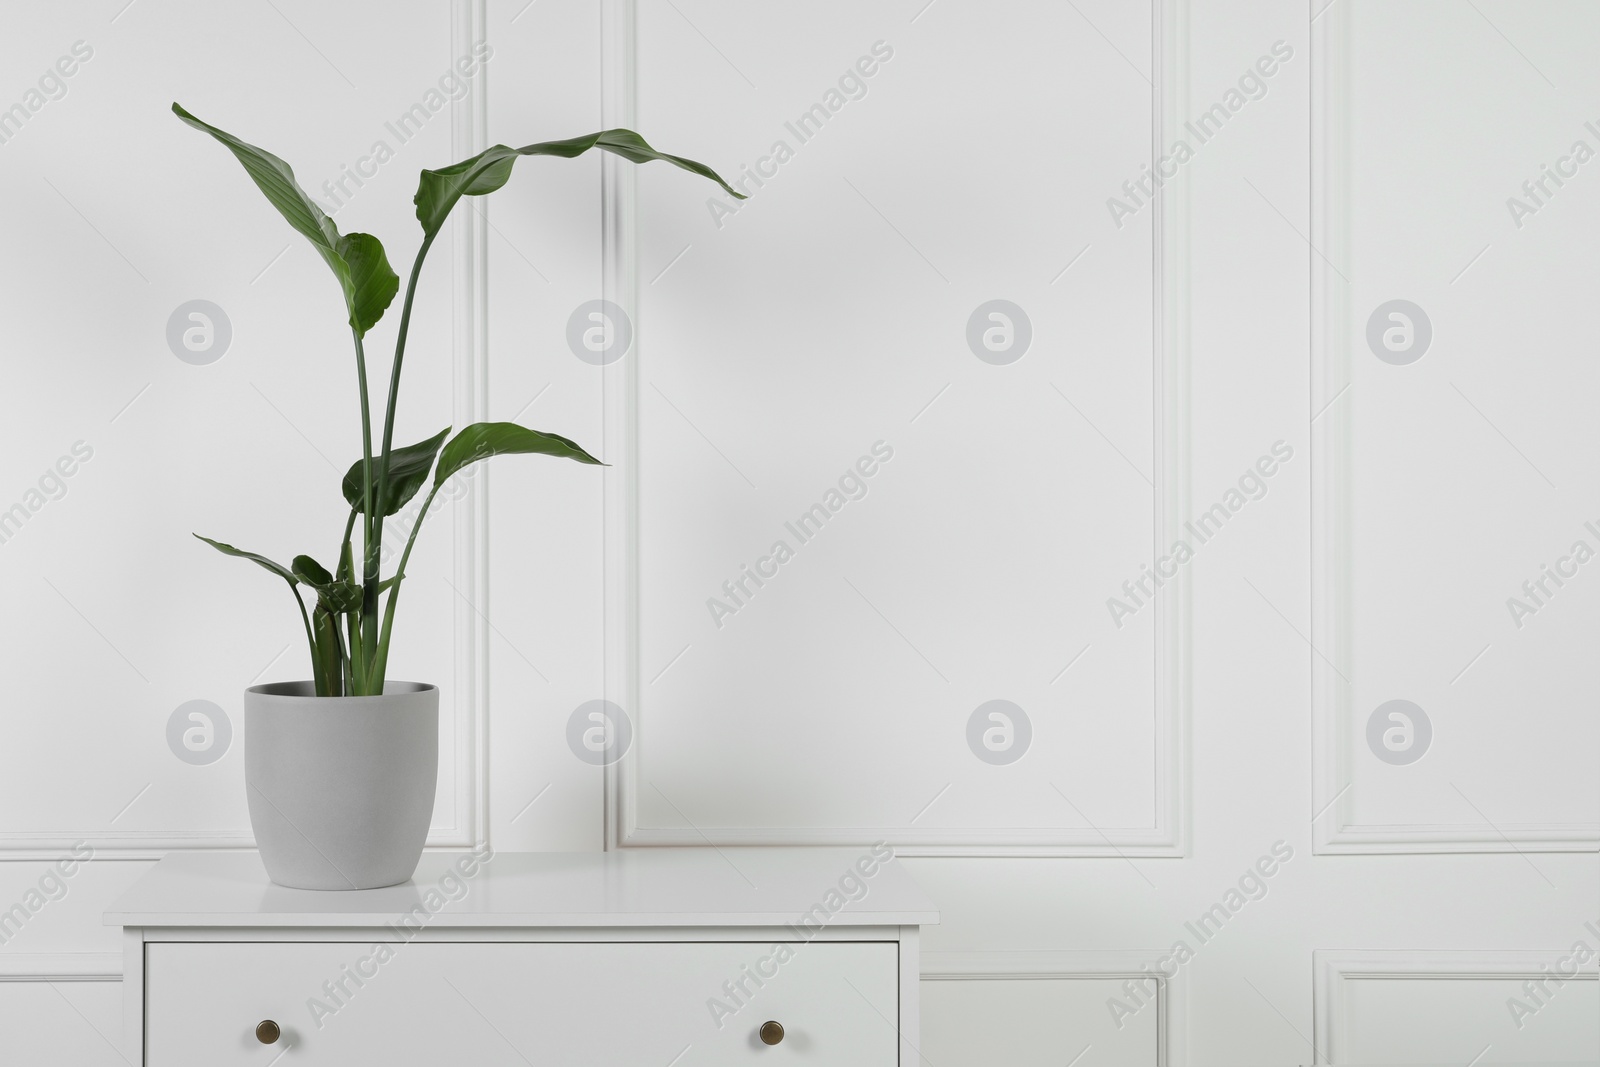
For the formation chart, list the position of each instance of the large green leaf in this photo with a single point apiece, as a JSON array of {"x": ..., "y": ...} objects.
[
  {"x": 357, "y": 259},
  {"x": 339, "y": 597},
  {"x": 484, "y": 439},
  {"x": 487, "y": 171},
  {"x": 408, "y": 472},
  {"x": 261, "y": 561}
]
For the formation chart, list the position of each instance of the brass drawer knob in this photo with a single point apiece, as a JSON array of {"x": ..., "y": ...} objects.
[
  {"x": 771, "y": 1032},
  {"x": 267, "y": 1032}
]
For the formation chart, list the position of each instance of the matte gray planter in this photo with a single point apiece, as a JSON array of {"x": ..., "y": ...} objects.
[{"x": 340, "y": 788}]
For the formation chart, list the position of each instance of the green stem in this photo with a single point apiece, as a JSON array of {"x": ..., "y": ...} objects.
[
  {"x": 382, "y": 657},
  {"x": 373, "y": 531},
  {"x": 394, "y": 373},
  {"x": 369, "y": 605},
  {"x": 358, "y": 668},
  {"x": 311, "y": 642},
  {"x": 346, "y": 663},
  {"x": 328, "y": 649},
  {"x": 344, "y": 545},
  {"x": 355, "y": 668}
]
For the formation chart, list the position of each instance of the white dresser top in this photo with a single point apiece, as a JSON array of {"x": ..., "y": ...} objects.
[{"x": 636, "y": 887}]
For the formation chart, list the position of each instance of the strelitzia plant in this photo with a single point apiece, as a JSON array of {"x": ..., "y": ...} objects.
[{"x": 348, "y": 629}]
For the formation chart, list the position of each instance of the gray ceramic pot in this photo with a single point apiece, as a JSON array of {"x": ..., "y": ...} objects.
[{"x": 340, "y": 788}]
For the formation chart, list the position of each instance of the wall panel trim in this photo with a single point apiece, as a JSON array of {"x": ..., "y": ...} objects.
[
  {"x": 1169, "y": 836},
  {"x": 1335, "y": 830},
  {"x": 1333, "y": 970},
  {"x": 60, "y": 967},
  {"x": 1171, "y": 995}
]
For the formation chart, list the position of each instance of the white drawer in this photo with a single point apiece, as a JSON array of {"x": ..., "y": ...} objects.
[{"x": 601, "y": 1003}]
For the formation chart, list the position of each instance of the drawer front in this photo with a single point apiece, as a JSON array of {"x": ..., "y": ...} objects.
[{"x": 656, "y": 1004}]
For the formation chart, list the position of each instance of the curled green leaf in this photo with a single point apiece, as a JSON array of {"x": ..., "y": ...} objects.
[
  {"x": 487, "y": 171},
  {"x": 333, "y": 595}
]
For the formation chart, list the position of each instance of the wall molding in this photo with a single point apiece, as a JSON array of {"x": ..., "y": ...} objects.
[
  {"x": 60, "y": 967},
  {"x": 1334, "y": 970},
  {"x": 619, "y": 265},
  {"x": 469, "y": 691},
  {"x": 1171, "y": 994},
  {"x": 470, "y": 515},
  {"x": 1169, "y": 835},
  {"x": 1335, "y": 830}
]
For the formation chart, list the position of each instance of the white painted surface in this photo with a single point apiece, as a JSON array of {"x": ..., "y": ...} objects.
[
  {"x": 585, "y": 956},
  {"x": 655, "y": 887},
  {"x": 837, "y": 324},
  {"x": 1402, "y": 1005},
  {"x": 61, "y": 1022},
  {"x": 111, "y": 590},
  {"x": 498, "y": 1003},
  {"x": 1423, "y": 1020},
  {"x": 1026, "y": 1022},
  {"x": 1456, "y": 480},
  {"x": 788, "y": 335}
]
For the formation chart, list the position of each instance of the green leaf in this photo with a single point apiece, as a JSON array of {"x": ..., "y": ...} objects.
[
  {"x": 341, "y": 598},
  {"x": 357, "y": 260},
  {"x": 484, "y": 439},
  {"x": 261, "y": 561},
  {"x": 438, "y": 190},
  {"x": 328, "y": 659},
  {"x": 373, "y": 282},
  {"x": 311, "y": 572},
  {"x": 408, "y": 472},
  {"x": 336, "y": 596}
]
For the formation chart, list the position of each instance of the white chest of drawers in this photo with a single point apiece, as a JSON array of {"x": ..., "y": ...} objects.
[{"x": 656, "y": 957}]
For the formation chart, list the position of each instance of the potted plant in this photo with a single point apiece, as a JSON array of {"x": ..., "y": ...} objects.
[{"x": 340, "y": 770}]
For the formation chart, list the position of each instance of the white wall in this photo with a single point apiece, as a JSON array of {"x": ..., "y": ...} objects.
[{"x": 772, "y": 348}]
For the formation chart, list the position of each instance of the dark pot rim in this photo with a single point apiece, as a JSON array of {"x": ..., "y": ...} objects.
[{"x": 307, "y": 690}]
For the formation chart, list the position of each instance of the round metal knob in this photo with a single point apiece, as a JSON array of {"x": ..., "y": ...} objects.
[
  {"x": 268, "y": 1032},
  {"x": 771, "y": 1032}
]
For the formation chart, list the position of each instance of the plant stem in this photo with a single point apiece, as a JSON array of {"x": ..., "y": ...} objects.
[
  {"x": 358, "y": 666},
  {"x": 346, "y": 664},
  {"x": 355, "y": 667},
  {"x": 311, "y": 641},
  {"x": 344, "y": 545},
  {"x": 382, "y": 655},
  {"x": 399, "y": 358},
  {"x": 373, "y": 530},
  {"x": 369, "y": 603},
  {"x": 328, "y": 649}
]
